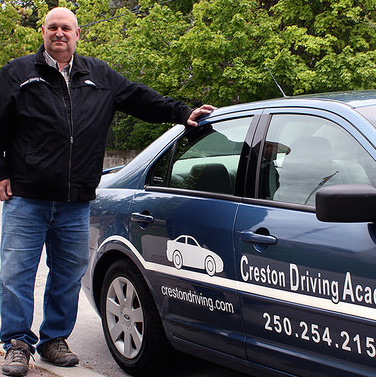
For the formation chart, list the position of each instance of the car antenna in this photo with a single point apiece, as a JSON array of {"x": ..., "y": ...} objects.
[{"x": 271, "y": 74}]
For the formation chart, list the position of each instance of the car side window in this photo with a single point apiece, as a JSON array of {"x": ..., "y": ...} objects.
[
  {"x": 160, "y": 170},
  {"x": 303, "y": 153},
  {"x": 210, "y": 163},
  {"x": 205, "y": 159}
]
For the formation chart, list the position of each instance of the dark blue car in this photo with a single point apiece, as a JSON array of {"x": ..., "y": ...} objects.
[{"x": 249, "y": 241}]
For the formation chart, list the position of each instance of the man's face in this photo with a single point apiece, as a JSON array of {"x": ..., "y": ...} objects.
[{"x": 60, "y": 33}]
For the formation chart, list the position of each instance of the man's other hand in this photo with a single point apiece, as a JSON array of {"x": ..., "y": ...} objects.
[
  {"x": 203, "y": 110},
  {"x": 5, "y": 190}
]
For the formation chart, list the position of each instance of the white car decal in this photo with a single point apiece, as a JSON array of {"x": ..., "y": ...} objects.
[
  {"x": 186, "y": 251},
  {"x": 248, "y": 287}
]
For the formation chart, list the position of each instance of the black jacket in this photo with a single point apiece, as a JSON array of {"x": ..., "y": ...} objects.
[{"x": 52, "y": 142}]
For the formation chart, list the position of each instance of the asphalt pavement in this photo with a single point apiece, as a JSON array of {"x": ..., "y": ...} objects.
[{"x": 39, "y": 368}]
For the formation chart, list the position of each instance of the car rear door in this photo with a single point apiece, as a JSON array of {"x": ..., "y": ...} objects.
[
  {"x": 307, "y": 288},
  {"x": 189, "y": 202}
]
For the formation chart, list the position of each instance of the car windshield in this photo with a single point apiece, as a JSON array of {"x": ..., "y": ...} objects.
[{"x": 369, "y": 112}]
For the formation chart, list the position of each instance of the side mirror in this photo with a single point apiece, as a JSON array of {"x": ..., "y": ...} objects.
[{"x": 346, "y": 203}]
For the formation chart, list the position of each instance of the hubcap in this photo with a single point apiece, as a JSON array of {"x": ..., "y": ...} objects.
[{"x": 125, "y": 318}]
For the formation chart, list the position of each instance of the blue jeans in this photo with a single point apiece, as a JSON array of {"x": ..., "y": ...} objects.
[{"x": 27, "y": 225}]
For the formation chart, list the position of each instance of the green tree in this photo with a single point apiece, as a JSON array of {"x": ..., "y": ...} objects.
[
  {"x": 332, "y": 43},
  {"x": 104, "y": 31},
  {"x": 16, "y": 37},
  {"x": 184, "y": 6},
  {"x": 309, "y": 45}
]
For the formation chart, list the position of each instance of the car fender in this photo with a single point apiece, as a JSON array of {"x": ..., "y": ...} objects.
[{"x": 111, "y": 249}]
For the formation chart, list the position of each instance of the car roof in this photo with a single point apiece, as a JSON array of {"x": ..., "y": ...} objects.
[{"x": 353, "y": 99}]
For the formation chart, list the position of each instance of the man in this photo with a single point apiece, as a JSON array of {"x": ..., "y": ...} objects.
[{"x": 55, "y": 110}]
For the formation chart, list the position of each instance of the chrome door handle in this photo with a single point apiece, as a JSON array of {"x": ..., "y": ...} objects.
[
  {"x": 249, "y": 236},
  {"x": 141, "y": 218}
]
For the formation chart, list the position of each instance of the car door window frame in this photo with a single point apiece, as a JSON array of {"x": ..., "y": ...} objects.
[{"x": 241, "y": 168}]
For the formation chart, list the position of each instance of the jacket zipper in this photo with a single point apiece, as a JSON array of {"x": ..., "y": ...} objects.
[
  {"x": 70, "y": 145},
  {"x": 70, "y": 168},
  {"x": 70, "y": 121}
]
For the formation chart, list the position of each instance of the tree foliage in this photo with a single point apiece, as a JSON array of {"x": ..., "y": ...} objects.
[
  {"x": 213, "y": 51},
  {"x": 17, "y": 38}
]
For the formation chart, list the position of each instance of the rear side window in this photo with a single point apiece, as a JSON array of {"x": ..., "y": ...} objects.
[
  {"x": 303, "y": 153},
  {"x": 205, "y": 159}
]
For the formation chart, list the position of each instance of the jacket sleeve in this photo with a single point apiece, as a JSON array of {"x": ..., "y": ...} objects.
[
  {"x": 145, "y": 103},
  {"x": 6, "y": 95}
]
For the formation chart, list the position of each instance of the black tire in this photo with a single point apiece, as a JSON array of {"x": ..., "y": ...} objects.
[{"x": 130, "y": 320}]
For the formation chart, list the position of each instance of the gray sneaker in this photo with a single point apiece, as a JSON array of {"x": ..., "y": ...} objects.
[
  {"x": 16, "y": 359},
  {"x": 57, "y": 352}
]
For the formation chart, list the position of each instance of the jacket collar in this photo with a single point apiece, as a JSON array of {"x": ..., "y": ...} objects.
[{"x": 79, "y": 65}]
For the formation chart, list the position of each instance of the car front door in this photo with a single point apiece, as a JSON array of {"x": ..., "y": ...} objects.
[
  {"x": 307, "y": 288},
  {"x": 182, "y": 224}
]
